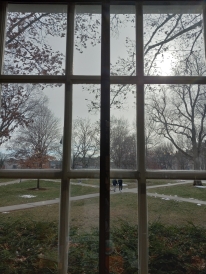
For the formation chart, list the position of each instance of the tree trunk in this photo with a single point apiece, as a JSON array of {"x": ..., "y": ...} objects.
[
  {"x": 197, "y": 167},
  {"x": 197, "y": 183},
  {"x": 38, "y": 184}
]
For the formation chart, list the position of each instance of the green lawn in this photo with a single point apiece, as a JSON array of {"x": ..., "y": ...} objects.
[
  {"x": 184, "y": 191},
  {"x": 153, "y": 182},
  {"x": 84, "y": 214},
  {"x": 11, "y": 194},
  {"x": 130, "y": 183}
]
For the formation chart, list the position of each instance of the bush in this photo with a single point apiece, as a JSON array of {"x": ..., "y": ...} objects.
[
  {"x": 22, "y": 245},
  {"x": 31, "y": 247},
  {"x": 177, "y": 249}
]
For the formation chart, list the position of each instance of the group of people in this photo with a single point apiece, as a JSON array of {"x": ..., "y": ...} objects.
[{"x": 119, "y": 182}]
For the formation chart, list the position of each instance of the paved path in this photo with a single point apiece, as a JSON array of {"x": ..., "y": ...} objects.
[
  {"x": 12, "y": 182},
  {"x": 58, "y": 181},
  {"x": 125, "y": 190}
]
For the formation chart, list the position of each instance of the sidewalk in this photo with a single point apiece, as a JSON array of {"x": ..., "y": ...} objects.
[
  {"x": 12, "y": 182},
  {"x": 131, "y": 190},
  {"x": 43, "y": 203}
]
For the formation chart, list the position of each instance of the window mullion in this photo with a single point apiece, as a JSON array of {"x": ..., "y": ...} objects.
[
  {"x": 66, "y": 164},
  {"x": 104, "y": 223},
  {"x": 142, "y": 195},
  {"x": 204, "y": 25},
  {"x": 3, "y": 6}
]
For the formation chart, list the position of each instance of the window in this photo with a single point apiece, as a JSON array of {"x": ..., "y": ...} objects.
[{"x": 58, "y": 57}]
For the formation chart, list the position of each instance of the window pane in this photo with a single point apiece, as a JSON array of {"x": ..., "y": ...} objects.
[
  {"x": 29, "y": 225},
  {"x": 123, "y": 127},
  {"x": 175, "y": 126},
  {"x": 86, "y": 127},
  {"x": 123, "y": 240},
  {"x": 31, "y": 125},
  {"x": 87, "y": 40},
  {"x": 176, "y": 213},
  {"x": 35, "y": 40},
  {"x": 123, "y": 43},
  {"x": 84, "y": 226},
  {"x": 173, "y": 40}
]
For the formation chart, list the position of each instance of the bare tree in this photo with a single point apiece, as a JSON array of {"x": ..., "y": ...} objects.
[
  {"x": 179, "y": 111},
  {"x": 28, "y": 50},
  {"x": 151, "y": 139},
  {"x": 168, "y": 37},
  {"x": 17, "y": 106},
  {"x": 85, "y": 141},
  {"x": 122, "y": 144},
  {"x": 35, "y": 144}
]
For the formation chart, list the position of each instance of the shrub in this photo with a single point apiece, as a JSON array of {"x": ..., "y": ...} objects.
[{"x": 31, "y": 247}]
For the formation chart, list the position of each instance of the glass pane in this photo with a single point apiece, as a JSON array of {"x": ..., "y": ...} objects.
[
  {"x": 35, "y": 40},
  {"x": 31, "y": 126},
  {"x": 173, "y": 40},
  {"x": 29, "y": 226},
  {"x": 86, "y": 127},
  {"x": 123, "y": 127},
  {"x": 124, "y": 230},
  {"x": 123, "y": 43},
  {"x": 87, "y": 40},
  {"x": 84, "y": 226},
  {"x": 176, "y": 213},
  {"x": 175, "y": 126}
]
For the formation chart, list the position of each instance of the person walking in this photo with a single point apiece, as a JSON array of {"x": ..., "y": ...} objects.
[
  {"x": 114, "y": 182},
  {"x": 120, "y": 185}
]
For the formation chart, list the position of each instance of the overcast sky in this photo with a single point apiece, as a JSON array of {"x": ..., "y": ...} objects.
[{"x": 89, "y": 63}]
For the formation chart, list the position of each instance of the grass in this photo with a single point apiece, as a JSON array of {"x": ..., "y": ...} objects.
[
  {"x": 28, "y": 238},
  {"x": 94, "y": 182},
  {"x": 153, "y": 182},
  {"x": 184, "y": 191},
  {"x": 174, "y": 212},
  {"x": 84, "y": 214},
  {"x": 11, "y": 194}
]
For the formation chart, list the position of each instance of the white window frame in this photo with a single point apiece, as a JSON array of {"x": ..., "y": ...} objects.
[{"x": 140, "y": 174}]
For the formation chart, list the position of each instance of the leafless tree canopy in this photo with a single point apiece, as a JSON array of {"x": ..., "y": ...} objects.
[
  {"x": 35, "y": 143},
  {"x": 85, "y": 142}
]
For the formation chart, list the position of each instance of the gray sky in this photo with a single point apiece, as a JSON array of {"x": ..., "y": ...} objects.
[{"x": 88, "y": 63}]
